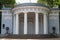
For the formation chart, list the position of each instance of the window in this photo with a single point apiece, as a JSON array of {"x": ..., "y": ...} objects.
[{"x": 3, "y": 26}]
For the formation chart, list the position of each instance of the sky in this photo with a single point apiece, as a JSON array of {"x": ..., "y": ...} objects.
[{"x": 26, "y": 1}]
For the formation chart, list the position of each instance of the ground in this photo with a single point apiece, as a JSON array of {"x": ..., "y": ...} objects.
[{"x": 32, "y": 39}]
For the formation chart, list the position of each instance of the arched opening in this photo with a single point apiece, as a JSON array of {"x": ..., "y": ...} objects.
[
  {"x": 40, "y": 23},
  {"x": 21, "y": 23},
  {"x": 31, "y": 23}
]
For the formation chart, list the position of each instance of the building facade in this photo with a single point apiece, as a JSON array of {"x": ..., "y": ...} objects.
[{"x": 30, "y": 18}]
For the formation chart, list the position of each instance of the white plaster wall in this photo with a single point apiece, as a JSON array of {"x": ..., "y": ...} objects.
[
  {"x": 7, "y": 20},
  {"x": 54, "y": 21}
]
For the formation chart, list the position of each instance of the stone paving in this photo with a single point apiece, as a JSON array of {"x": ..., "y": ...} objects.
[{"x": 32, "y": 39}]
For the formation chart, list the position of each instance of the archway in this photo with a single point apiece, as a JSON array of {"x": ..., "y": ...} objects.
[
  {"x": 21, "y": 23},
  {"x": 41, "y": 29},
  {"x": 31, "y": 23}
]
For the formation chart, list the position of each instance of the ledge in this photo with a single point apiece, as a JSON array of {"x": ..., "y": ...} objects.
[{"x": 54, "y": 8}]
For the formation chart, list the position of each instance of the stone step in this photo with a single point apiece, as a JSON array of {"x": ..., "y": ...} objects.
[{"x": 28, "y": 36}]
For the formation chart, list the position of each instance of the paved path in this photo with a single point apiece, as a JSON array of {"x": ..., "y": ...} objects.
[{"x": 32, "y": 39}]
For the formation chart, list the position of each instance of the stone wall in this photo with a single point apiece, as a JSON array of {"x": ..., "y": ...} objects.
[
  {"x": 6, "y": 20},
  {"x": 54, "y": 21}
]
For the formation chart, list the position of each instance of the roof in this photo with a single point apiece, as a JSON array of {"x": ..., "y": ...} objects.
[
  {"x": 6, "y": 8},
  {"x": 31, "y": 4},
  {"x": 54, "y": 8}
]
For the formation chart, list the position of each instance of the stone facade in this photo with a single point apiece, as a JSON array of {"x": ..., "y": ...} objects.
[{"x": 50, "y": 19}]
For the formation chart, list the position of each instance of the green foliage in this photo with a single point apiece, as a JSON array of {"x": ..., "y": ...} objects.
[
  {"x": 7, "y": 3},
  {"x": 50, "y": 3},
  {"x": 46, "y": 2},
  {"x": 42, "y": 1},
  {"x": 58, "y": 2}
]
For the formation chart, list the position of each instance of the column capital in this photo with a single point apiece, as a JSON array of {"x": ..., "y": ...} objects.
[
  {"x": 37, "y": 12},
  {"x": 16, "y": 14},
  {"x": 45, "y": 13},
  {"x": 25, "y": 12}
]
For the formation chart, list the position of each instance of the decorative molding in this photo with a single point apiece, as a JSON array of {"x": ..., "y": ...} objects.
[{"x": 30, "y": 9}]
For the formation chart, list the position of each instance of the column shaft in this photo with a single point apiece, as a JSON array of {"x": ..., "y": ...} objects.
[
  {"x": 17, "y": 24},
  {"x": 36, "y": 24},
  {"x": 25, "y": 23},
  {"x": 14, "y": 28},
  {"x": 45, "y": 24}
]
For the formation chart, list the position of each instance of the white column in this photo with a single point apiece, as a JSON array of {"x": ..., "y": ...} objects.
[
  {"x": 14, "y": 27},
  {"x": 17, "y": 24},
  {"x": 45, "y": 24},
  {"x": 25, "y": 23},
  {"x": 36, "y": 24}
]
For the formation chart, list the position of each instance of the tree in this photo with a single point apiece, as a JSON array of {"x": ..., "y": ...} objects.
[
  {"x": 7, "y": 2},
  {"x": 46, "y": 2},
  {"x": 42, "y": 2},
  {"x": 58, "y": 3},
  {"x": 49, "y": 3}
]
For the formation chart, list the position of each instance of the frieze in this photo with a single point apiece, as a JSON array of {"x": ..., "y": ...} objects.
[{"x": 30, "y": 9}]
